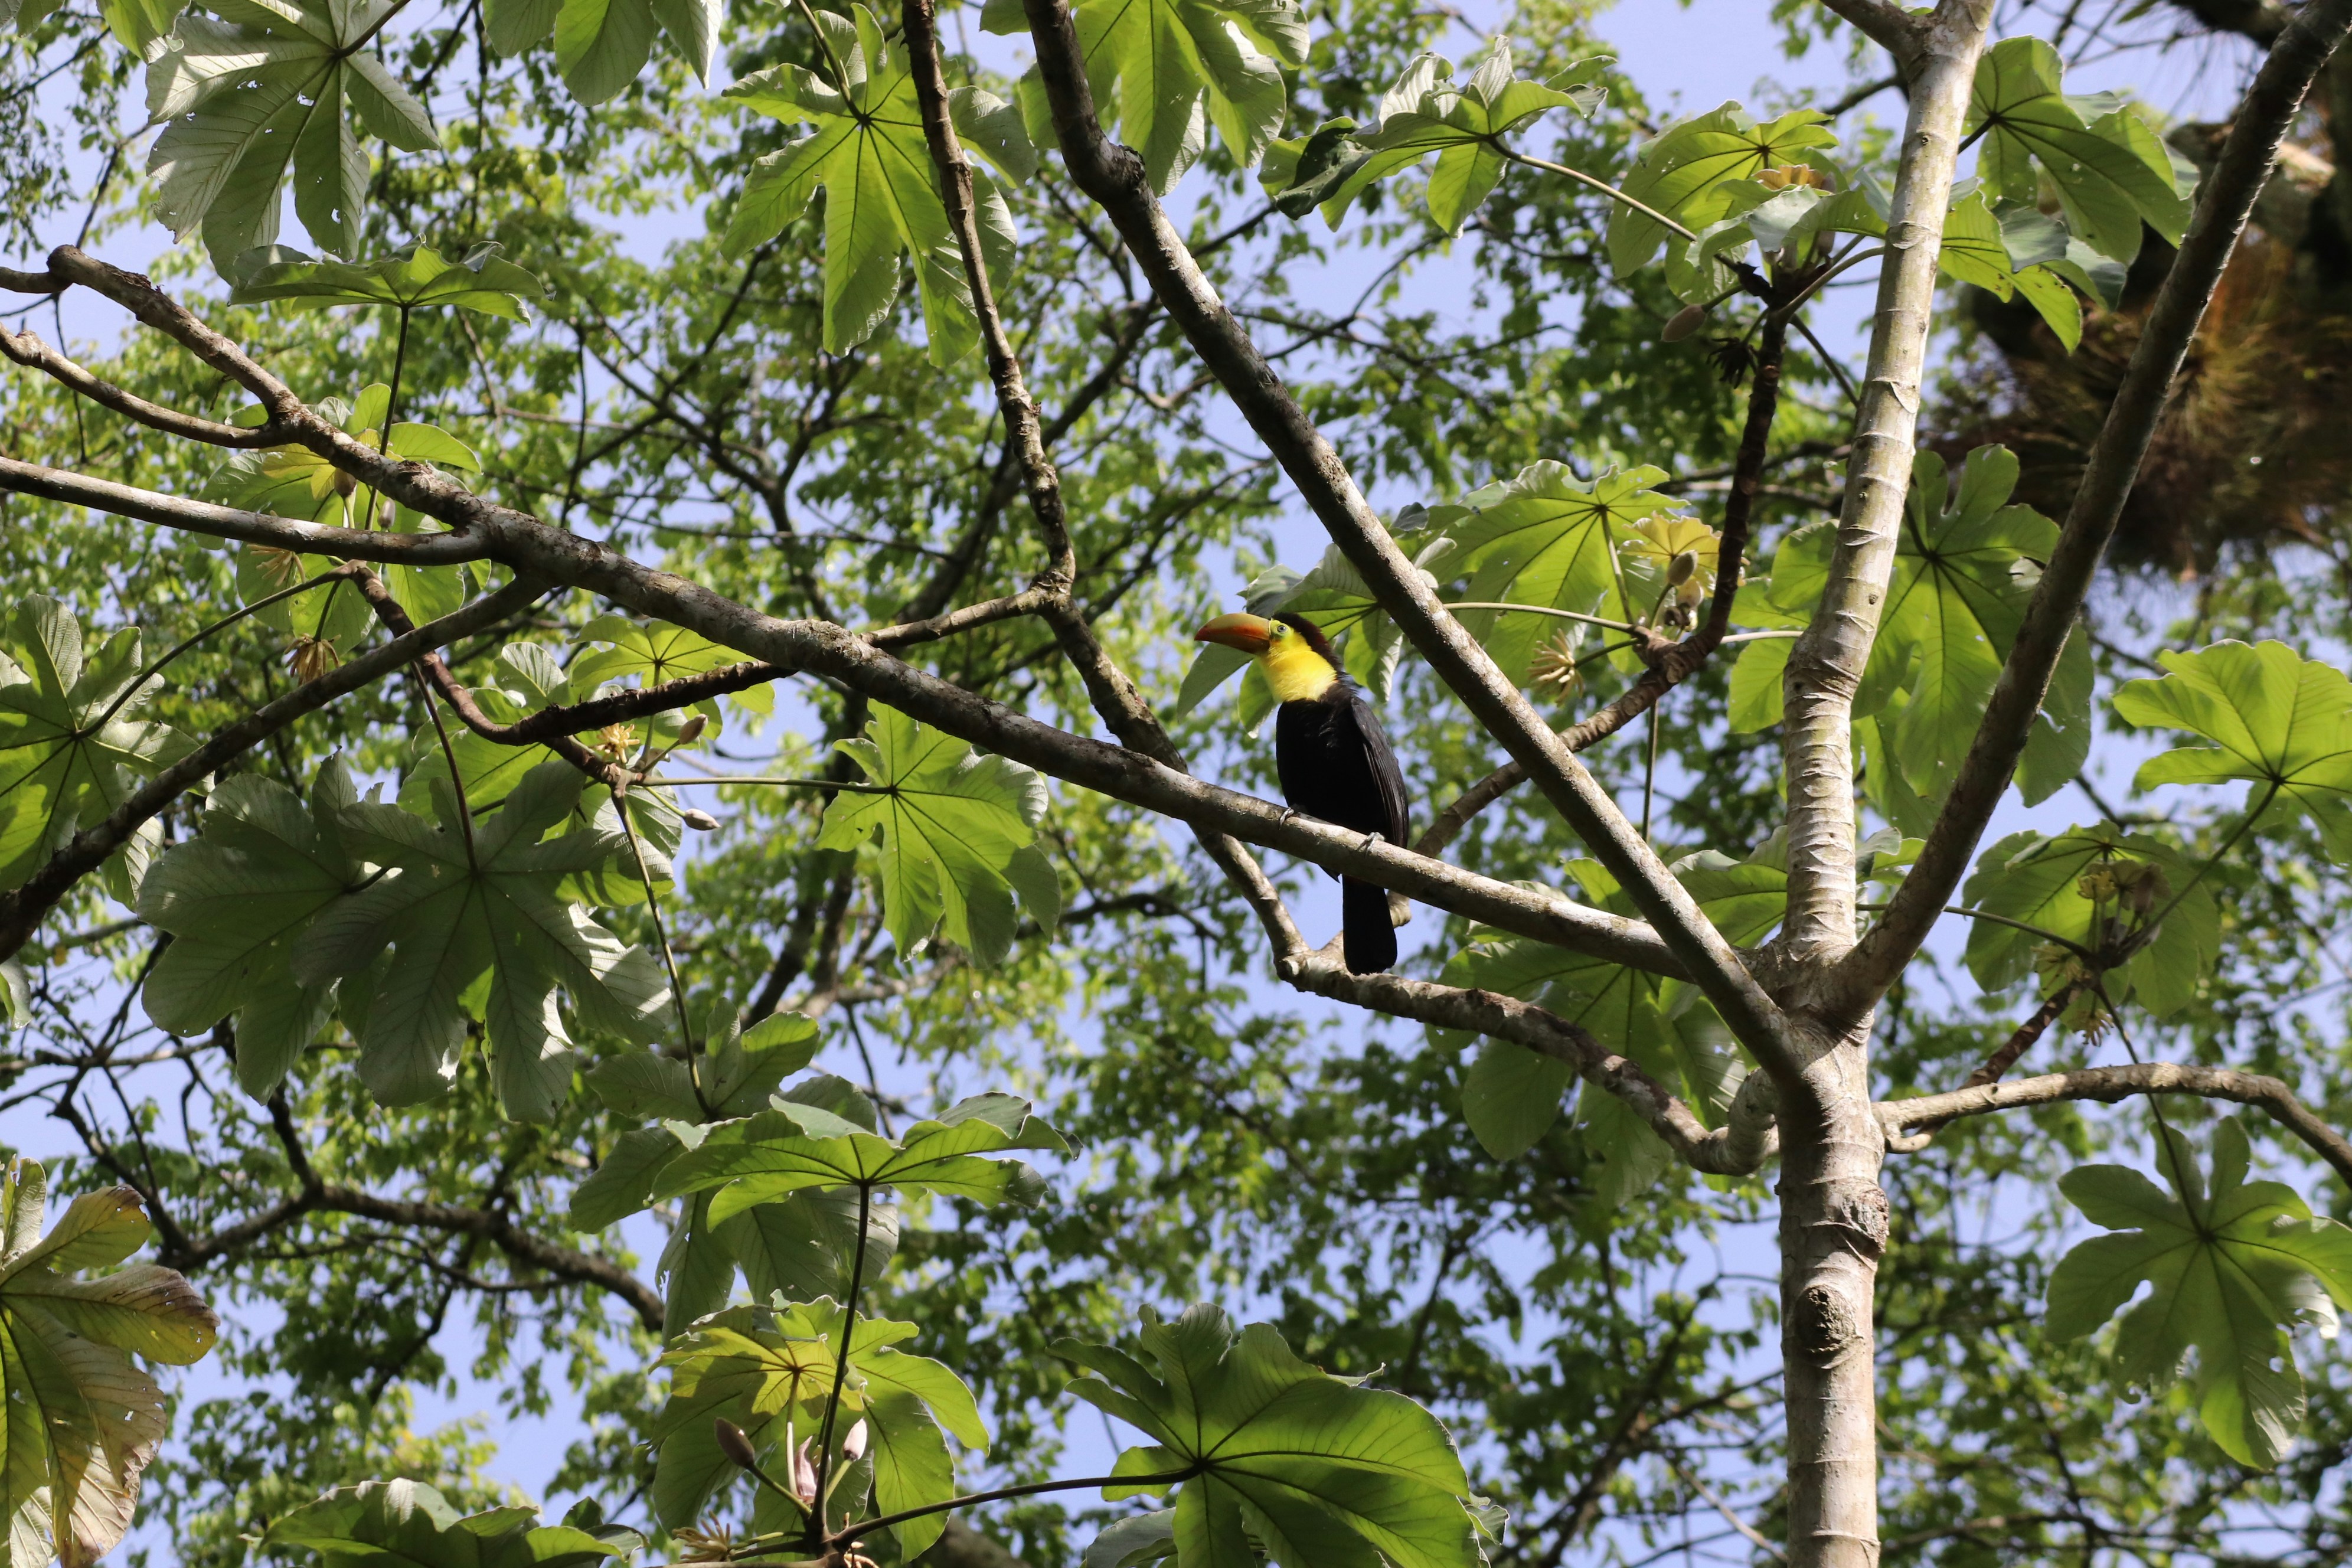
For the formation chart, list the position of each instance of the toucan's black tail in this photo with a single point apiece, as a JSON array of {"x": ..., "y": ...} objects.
[{"x": 1371, "y": 944}]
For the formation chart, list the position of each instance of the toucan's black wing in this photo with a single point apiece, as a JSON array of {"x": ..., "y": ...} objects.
[{"x": 1334, "y": 764}]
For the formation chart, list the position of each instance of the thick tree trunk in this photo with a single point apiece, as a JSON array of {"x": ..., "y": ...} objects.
[{"x": 1833, "y": 1232}]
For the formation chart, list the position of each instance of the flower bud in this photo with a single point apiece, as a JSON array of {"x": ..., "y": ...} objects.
[
  {"x": 854, "y": 1446},
  {"x": 345, "y": 484},
  {"x": 734, "y": 1444},
  {"x": 700, "y": 820},
  {"x": 691, "y": 731},
  {"x": 1680, "y": 570},
  {"x": 1684, "y": 322}
]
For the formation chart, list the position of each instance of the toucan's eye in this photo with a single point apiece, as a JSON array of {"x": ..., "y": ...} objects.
[{"x": 1279, "y": 631}]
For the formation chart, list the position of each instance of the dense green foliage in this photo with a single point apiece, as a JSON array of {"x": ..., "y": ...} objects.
[{"x": 362, "y": 1024}]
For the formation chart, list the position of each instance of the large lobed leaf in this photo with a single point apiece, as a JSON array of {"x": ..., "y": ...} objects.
[
  {"x": 265, "y": 86},
  {"x": 2229, "y": 1271},
  {"x": 72, "y": 740},
  {"x": 414, "y": 948},
  {"x": 79, "y": 1419},
  {"x": 794, "y": 1148},
  {"x": 414, "y": 277},
  {"x": 955, "y": 831},
  {"x": 2278, "y": 721},
  {"x": 1425, "y": 112},
  {"x": 408, "y": 1524},
  {"x": 1320, "y": 1470},
  {"x": 882, "y": 197},
  {"x": 771, "y": 1371}
]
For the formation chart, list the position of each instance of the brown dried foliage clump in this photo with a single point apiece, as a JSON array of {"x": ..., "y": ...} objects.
[{"x": 2255, "y": 449}]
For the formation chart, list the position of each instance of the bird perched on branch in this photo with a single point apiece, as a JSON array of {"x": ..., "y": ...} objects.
[{"x": 1332, "y": 758}]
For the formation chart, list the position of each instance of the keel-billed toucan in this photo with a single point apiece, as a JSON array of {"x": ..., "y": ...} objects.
[{"x": 1333, "y": 760}]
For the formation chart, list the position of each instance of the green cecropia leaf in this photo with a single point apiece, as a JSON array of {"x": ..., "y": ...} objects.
[
  {"x": 84, "y": 1419},
  {"x": 1165, "y": 70},
  {"x": 1688, "y": 170},
  {"x": 1318, "y": 1471},
  {"x": 882, "y": 197},
  {"x": 1548, "y": 539},
  {"x": 72, "y": 738},
  {"x": 950, "y": 826},
  {"x": 1976, "y": 250},
  {"x": 1511, "y": 1096},
  {"x": 654, "y": 654},
  {"x": 1962, "y": 578},
  {"x": 414, "y": 277},
  {"x": 2230, "y": 1270},
  {"x": 794, "y": 1148},
  {"x": 770, "y": 1371},
  {"x": 2110, "y": 169},
  {"x": 600, "y": 46},
  {"x": 408, "y": 1524},
  {"x": 2278, "y": 721},
  {"x": 2039, "y": 879},
  {"x": 237, "y": 900},
  {"x": 1426, "y": 113},
  {"x": 261, "y": 86},
  {"x": 469, "y": 922}
]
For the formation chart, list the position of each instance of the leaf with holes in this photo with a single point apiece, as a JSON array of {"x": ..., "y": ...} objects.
[
  {"x": 82, "y": 1418},
  {"x": 949, "y": 824},
  {"x": 2278, "y": 721},
  {"x": 2230, "y": 1270},
  {"x": 469, "y": 922},
  {"x": 72, "y": 740},
  {"x": 1317, "y": 1469},
  {"x": 263, "y": 87}
]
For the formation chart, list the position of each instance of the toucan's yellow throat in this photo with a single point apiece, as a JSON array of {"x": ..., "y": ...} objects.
[{"x": 1295, "y": 671}]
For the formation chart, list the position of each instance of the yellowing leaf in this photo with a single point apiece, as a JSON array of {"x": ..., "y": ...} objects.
[{"x": 78, "y": 1418}]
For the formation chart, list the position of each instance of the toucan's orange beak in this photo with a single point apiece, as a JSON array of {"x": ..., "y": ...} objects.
[{"x": 1251, "y": 634}]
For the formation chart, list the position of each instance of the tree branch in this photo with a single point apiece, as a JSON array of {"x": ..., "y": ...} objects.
[
  {"x": 229, "y": 522},
  {"x": 316, "y": 1196},
  {"x": 544, "y": 554},
  {"x": 27, "y": 350},
  {"x": 2110, "y": 1084},
  {"x": 1894, "y": 29},
  {"x": 2227, "y": 200},
  {"x": 23, "y": 909},
  {"x": 1735, "y": 1150},
  {"x": 1113, "y": 696},
  {"x": 1825, "y": 665},
  {"x": 1115, "y": 179}
]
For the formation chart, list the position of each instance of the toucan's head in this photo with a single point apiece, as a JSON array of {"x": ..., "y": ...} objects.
[
  {"x": 1298, "y": 659},
  {"x": 1257, "y": 635}
]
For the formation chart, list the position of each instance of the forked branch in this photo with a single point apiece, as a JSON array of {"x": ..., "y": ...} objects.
[
  {"x": 2226, "y": 202},
  {"x": 1114, "y": 178}
]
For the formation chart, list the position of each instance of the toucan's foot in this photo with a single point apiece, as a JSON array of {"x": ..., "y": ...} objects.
[
  {"x": 1287, "y": 813},
  {"x": 1372, "y": 839}
]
